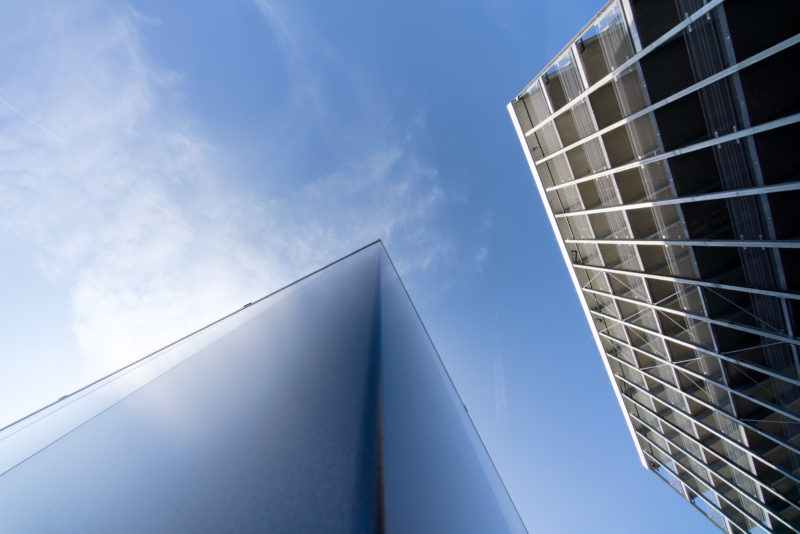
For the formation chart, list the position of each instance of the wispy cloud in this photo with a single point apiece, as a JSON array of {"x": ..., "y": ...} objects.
[
  {"x": 500, "y": 389},
  {"x": 381, "y": 187},
  {"x": 128, "y": 207},
  {"x": 275, "y": 16}
]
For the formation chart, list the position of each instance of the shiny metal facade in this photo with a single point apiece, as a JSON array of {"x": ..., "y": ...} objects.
[{"x": 321, "y": 408}]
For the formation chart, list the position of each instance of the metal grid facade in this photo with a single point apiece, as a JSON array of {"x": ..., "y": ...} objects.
[{"x": 664, "y": 142}]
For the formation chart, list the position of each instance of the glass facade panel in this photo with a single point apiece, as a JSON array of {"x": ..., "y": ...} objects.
[
  {"x": 430, "y": 446},
  {"x": 697, "y": 180},
  {"x": 606, "y": 44}
]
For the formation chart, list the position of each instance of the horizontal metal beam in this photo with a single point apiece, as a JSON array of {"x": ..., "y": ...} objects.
[
  {"x": 730, "y": 483},
  {"x": 697, "y": 317},
  {"x": 700, "y": 376},
  {"x": 700, "y": 348},
  {"x": 691, "y": 281},
  {"x": 771, "y": 125},
  {"x": 721, "y": 457},
  {"x": 722, "y": 516},
  {"x": 783, "y": 45},
  {"x": 707, "y": 404},
  {"x": 719, "y": 494},
  {"x": 713, "y": 430},
  {"x": 736, "y": 193},
  {"x": 740, "y": 243},
  {"x": 636, "y": 57}
]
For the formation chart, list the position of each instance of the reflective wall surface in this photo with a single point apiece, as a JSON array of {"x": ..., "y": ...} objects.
[
  {"x": 326, "y": 409},
  {"x": 438, "y": 476}
]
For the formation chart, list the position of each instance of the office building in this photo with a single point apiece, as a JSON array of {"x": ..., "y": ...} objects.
[
  {"x": 323, "y": 407},
  {"x": 665, "y": 143}
]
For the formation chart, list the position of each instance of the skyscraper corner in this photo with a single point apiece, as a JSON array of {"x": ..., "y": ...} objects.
[{"x": 322, "y": 407}]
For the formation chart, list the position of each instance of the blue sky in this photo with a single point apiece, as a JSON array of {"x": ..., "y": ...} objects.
[{"x": 162, "y": 163}]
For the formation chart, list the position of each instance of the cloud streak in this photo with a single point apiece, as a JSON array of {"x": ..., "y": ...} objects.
[
  {"x": 129, "y": 208},
  {"x": 500, "y": 388}
]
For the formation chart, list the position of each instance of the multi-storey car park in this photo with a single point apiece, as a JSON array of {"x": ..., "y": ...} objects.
[{"x": 665, "y": 143}]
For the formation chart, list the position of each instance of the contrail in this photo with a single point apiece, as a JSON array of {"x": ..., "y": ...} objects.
[{"x": 30, "y": 120}]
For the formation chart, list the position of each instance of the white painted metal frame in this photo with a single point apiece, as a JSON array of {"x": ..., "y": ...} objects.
[
  {"x": 709, "y": 320},
  {"x": 719, "y": 494},
  {"x": 635, "y": 59},
  {"x": 708, "y": 405},
  {"x": 706, "y": 427},
  {"x": 741, "y": 243},
  {"x": 717, "y": 474},
  {"x": 771, "y": 125},
  {"x": 665, "y": 362},
  {"x": 725, "y": 526},
  {"x": 704, "y": 350},
  {"x": 783, "y": 45},
  {"x": 670, "y": 368},
  {"x": 721, "y": 195},
  {"x": 731, "y": 465},
  {"x": 691, "y": 281}
]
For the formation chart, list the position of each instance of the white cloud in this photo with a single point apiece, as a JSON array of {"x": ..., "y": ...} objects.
[
  {"x": 275, "y": 16},
  {"x": 127, "y": 206}
]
